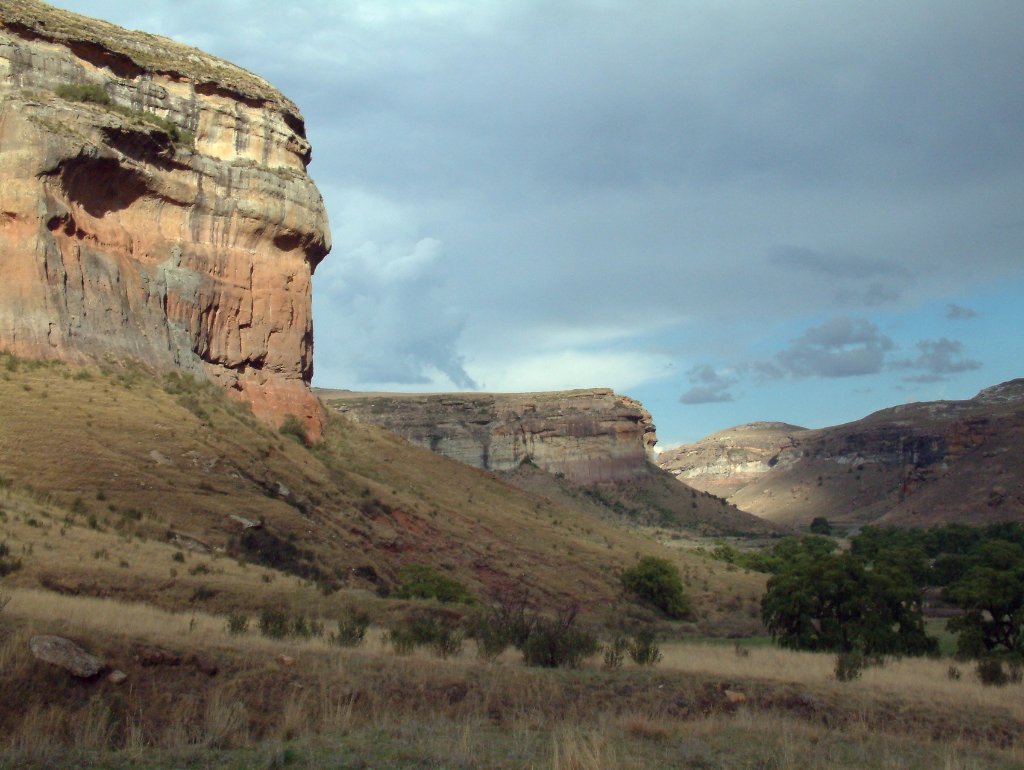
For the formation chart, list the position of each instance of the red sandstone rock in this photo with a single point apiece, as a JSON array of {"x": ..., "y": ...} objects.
[{"x": 174, "y": 224}]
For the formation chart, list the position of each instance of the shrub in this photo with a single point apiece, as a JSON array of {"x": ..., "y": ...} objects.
[
  {"x": 615, "y": 653},
  {"x": 420, "y": 581},
  {"x": 657, "y": 582},
  {"x": 401, "y": 639},
  {"x": 849, "y": 666},
  {"x": 306, "y": 629},
  {"x": 83, "y": 93},
  {"x": 292, "y": 426},
  {"x": 8, "y": 564},
  {"x": 504, "y": 623},
  {"x": 992, "y": 672},
  {"x": 274, "y": 623},
  {"x": 821, "y": 526},
  {"x": 351, "y": 629},
  {"x": 558, "y": 642},
  {"x": 238, "y": 623},
  {"x": 643, "y": 648}
]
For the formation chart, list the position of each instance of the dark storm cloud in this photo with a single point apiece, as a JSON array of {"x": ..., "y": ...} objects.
[
  {"x": 709, "y": 386},
  {"x": 850, "y": 280},
  {"x": 589, "y": 164}
]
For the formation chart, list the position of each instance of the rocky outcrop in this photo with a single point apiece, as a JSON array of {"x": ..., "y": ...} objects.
[
  {"x": 920, "y": 464},
  {"x": 724, "y": 462},
  {"x": 155, "y": 206},
  {"x": 587, "y": 435}
]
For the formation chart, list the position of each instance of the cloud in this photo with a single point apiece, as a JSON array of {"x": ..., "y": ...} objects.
[
  {"x": 840, "y": 347},
  {"x": 383, "y": 319},
  {"x": 849, "y": 279},
  {"x": 567, "y": 369},
  {"x": 938, "y": 358},
  {"x": 709, "y": 386},
  {"x": 959, "y": 313}
]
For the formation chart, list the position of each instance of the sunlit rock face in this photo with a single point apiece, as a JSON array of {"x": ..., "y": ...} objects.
[
  {"x": 154, "y": 205},
  {"x": 588, "y": 435}
]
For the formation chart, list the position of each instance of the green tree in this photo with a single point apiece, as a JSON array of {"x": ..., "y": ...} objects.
[
  {"x": 821, "y": 526},
  {"x": 657, "y": 582},
  {"x": 834, "y": 602},
  {"x": 991, "y": 593}
]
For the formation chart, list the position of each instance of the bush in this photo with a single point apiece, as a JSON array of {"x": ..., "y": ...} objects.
[
  {"x": 306, "y": 629},
  {"x": 506, "y": 622},
  {"x": 292, "y": 426},
  {"x": 558, "y": 642},
  {"x": 351, "y": 630},
  {"x": 8, "y": 564},
  {"x": 238, "y": 623},
  {"x": 443, "y": 637},
  {"x": 821, "y": 526},
  {"x": 991, "y": 672},
  {"x": 657, "y": 582},
  {"x": 420, "y": 581},
  {"x": 849, "y": 666},
  {"x": 615, "y": 653},
  {"x": 83, "y": 93},
  {"x": 274, "y": 623},
  {"x": 643, "y": 648}
]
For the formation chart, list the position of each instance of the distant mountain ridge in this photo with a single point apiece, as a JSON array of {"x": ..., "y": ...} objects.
[{"x": 910, "y": 465}]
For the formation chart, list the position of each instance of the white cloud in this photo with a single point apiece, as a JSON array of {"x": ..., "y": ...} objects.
[{"x": 568, "y": 369}]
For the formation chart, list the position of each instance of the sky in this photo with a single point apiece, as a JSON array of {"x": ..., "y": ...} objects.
[{"x": 731, "y": 210}]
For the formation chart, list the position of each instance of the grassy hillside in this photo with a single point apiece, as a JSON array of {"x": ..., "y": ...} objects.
[
  {"x": 139, "y": 468},
  {"x": 124, "y": 499}
]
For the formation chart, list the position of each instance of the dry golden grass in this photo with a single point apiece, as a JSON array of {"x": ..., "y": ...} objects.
[
  {"x": 115, "y": 449},
  {"x": 87, "y": 505},
  {"x": 918, "y": 680}
]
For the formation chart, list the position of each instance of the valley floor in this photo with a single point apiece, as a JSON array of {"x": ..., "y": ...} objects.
[{"x": 308, "y": 703}]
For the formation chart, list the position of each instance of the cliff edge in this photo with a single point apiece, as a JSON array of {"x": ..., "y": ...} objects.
[
  {"x": 587, "y": 435},
  {"x": 155, "y": 206}
]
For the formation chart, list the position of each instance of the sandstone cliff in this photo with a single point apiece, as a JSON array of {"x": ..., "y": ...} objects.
[
  {"x": 918, "y": 464},
  {"x": 155, "y": 206},
  {"x": 587, "y": 435},
  {"x": 725, "y": 462}
]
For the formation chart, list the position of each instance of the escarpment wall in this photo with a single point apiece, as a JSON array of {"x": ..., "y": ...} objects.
[
  {"x": 587, "y": 435},
  {"x": 154, "y": 205}
]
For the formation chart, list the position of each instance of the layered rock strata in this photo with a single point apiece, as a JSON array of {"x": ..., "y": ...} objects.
[
  {"x": 724, "y": 462},
  {"x": 154, "y": 206},
  {"x": 588, "y": 435},
  {"x": 918, "y": 464}
]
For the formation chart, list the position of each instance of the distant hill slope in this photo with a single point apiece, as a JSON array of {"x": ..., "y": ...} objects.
[{"x": 910, "y": 465}]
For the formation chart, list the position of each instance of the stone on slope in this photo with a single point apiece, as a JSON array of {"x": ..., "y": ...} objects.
[{"x": 64, "y": 653}]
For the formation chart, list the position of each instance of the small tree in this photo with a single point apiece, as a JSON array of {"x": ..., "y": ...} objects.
[
  {"x": 656, "y": 581},
  {"x": 821, "y": 526},
  {"x": 991, "y": 593},
  {"x": 421, "y": 581},
  {"x": 833, "y": 602}
]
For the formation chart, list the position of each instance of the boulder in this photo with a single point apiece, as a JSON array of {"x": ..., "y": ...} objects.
[{"x": 62, "y": 652}]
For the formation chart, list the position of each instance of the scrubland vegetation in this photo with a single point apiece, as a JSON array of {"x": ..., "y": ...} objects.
[{"x": 243, "y": 647}]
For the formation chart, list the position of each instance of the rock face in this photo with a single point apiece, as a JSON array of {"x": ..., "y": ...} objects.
[
  {"x": 725, "y": 462},
  {"x": 155, "y": 206},
  {"x": 916, "y": 464},
  {"x": 587, "y": 435}
]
